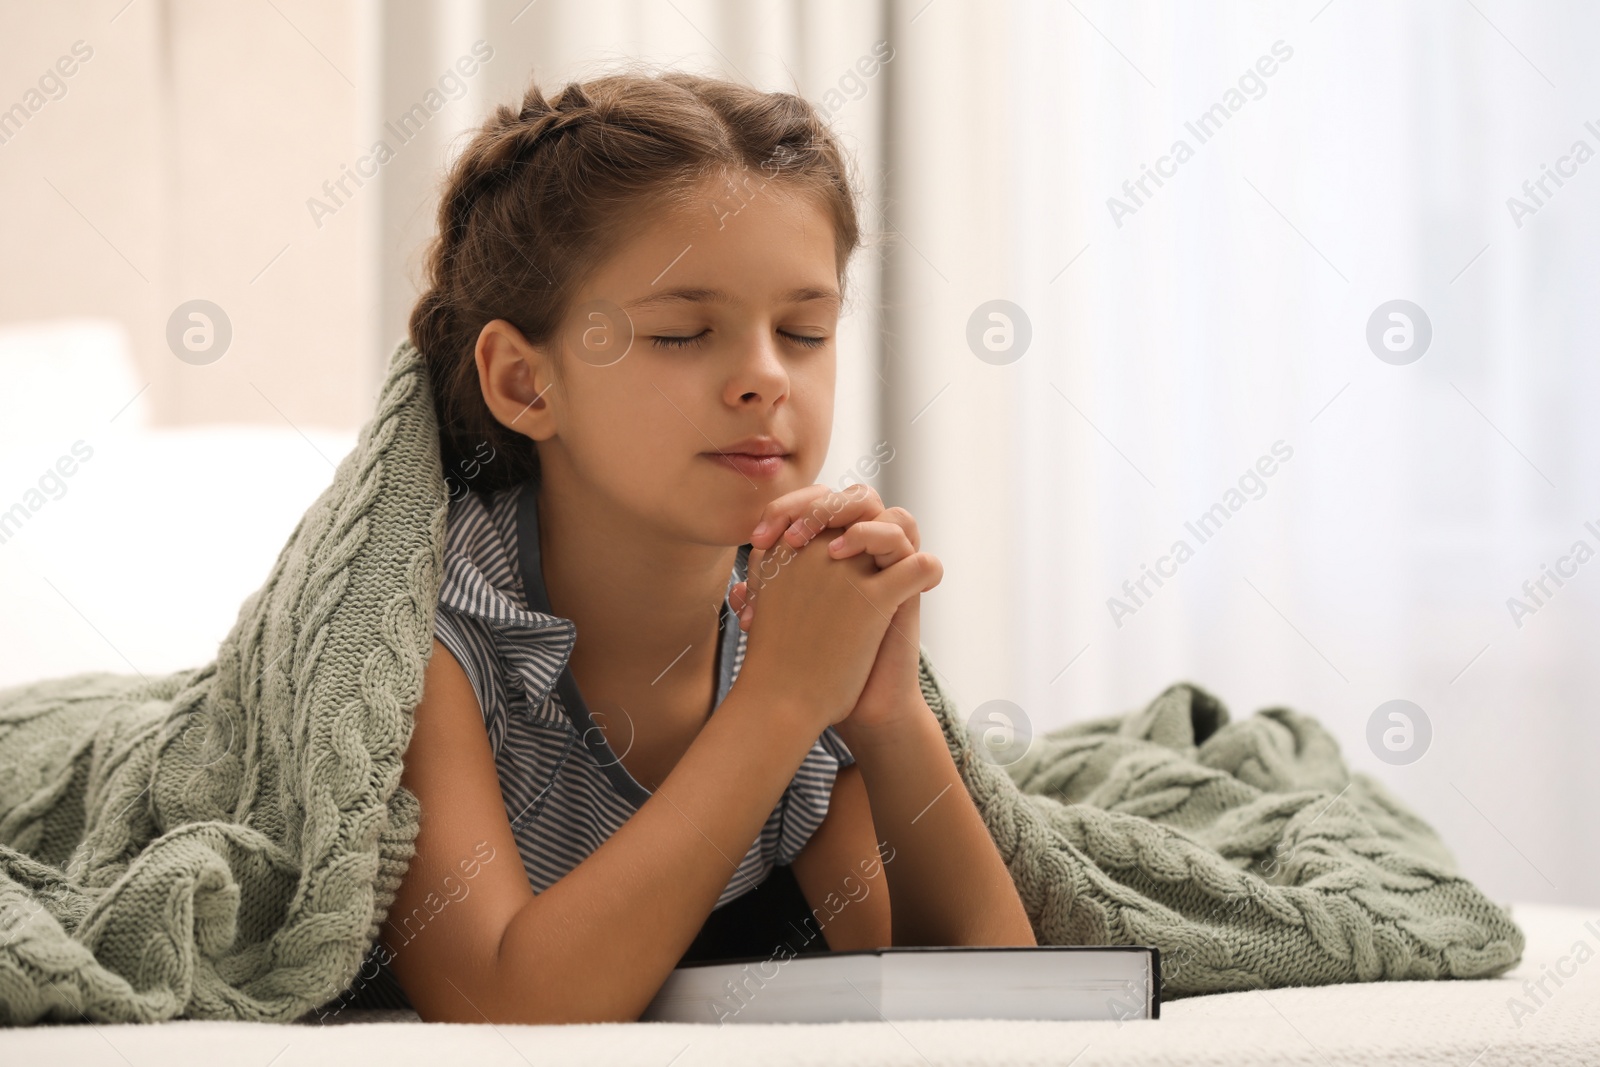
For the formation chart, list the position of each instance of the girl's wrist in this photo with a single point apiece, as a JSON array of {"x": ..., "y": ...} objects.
[
  {"x": 883, "y": 726},
  {"x": 781, "y": 715}
]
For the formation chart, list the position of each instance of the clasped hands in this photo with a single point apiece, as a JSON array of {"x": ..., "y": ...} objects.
[{"x": 888, "y": 535}]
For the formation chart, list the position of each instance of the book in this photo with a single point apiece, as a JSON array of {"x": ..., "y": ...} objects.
[{"x": 958, "y": 982}]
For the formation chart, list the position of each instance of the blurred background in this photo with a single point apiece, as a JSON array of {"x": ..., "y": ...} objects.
[{"x": 1249, "y": 344}]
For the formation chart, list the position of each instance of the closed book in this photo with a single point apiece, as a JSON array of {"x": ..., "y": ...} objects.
[{"x": 959, "y": 982}]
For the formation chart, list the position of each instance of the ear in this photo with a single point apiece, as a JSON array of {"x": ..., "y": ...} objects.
[{"x": 516, "y": 378}]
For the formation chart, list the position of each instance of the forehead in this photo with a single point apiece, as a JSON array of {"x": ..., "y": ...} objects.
[
  {"x": 732, "y": 238},
  {"x": 680, "y": 295}
]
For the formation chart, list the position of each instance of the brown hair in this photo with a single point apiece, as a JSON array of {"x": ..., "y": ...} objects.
[{"x": 540, "y": 197}]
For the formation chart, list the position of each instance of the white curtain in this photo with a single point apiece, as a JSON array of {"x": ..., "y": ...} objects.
[
  {"x": 1229, "y": 311},
  {"x": 1197, "y": 346}
]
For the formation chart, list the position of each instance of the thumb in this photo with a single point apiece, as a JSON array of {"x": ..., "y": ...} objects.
[
  {"x": 758, "y": 574},
  {"x": 751, "y": 570}
]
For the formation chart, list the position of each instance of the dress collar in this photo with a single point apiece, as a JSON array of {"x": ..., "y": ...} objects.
[
  {"x": 592, "y": 737},
  {"x": 466, "y": 589},
  {"x": 528, "y": 623},
  {"x": 527, "y": 541}
]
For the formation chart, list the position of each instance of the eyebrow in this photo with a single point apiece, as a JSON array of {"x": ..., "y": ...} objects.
[{"x": 718, "y": 296}]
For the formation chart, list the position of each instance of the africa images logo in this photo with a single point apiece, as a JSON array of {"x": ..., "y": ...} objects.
[
  {"x": 404, "y": 129},
  {"x": 1209, "y": 523},
  {"x": 1203, "y": 128}
]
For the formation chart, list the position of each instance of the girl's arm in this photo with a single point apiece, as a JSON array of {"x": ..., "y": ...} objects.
[
  {"x": 947, "y": 882},
  {"x": 596, "y": 945},
  {"x": 840, "y": 870}
]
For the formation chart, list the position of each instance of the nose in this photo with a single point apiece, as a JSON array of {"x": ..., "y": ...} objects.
[{"x": 759, "y": 377}]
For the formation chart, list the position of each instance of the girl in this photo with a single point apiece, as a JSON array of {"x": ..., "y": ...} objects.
[{"x": 630, "y": 329}]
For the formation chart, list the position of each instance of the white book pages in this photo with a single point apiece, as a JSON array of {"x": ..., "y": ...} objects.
[{"x": 1044, "y": 982}]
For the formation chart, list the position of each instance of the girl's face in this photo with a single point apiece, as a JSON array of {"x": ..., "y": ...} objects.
[{"x": 733, "y": 305}]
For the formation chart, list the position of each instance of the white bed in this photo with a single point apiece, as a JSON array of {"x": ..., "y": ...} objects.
[{"x": 1450, "y": 1024}]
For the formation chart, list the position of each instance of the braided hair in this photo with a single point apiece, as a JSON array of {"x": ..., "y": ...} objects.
[{"x": 542, "y": 194}]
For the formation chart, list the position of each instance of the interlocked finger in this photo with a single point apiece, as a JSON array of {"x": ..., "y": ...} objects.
[{"x": 886, "y": 542}]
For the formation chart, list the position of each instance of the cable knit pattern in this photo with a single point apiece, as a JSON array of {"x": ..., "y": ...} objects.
[
  {"x": 1246, "y": 852},
  {"x": 223, "y": 842}
]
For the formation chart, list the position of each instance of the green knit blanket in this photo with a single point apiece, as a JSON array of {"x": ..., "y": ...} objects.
[
  {"x": 1245, "y": 851},
  {"x": 223, "y": 842}
]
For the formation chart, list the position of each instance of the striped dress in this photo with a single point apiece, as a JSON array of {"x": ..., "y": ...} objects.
[{"x": 566, "y": 790}]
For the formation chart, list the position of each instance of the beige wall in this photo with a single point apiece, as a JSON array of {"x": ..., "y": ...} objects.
[{"x": 177, "y": 165}]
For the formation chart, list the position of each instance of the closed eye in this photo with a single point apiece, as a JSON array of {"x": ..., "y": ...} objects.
[{"x": 680, "y": 341}]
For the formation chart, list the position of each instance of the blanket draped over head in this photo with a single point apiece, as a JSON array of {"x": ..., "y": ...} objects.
[{"x": 223, "y": 842}]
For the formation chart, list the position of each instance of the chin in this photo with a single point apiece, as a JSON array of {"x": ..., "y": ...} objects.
[
  {"x": 733, "y": 531},
  {"x": 724, "y": 523},
  {"x": 727, "y": 510}
]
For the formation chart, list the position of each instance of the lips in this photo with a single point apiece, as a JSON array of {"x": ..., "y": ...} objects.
[
  {"x": 753, "y": 457},
  {"x": 754, "y": 446}
]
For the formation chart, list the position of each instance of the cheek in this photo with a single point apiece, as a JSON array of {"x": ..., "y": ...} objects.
[
  {"x": 625, "y": 427},
  {"x": 812, "y": 395}
]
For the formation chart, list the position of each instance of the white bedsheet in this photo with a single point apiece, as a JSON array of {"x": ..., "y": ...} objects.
[{"x": 1451, "y": 1024}]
